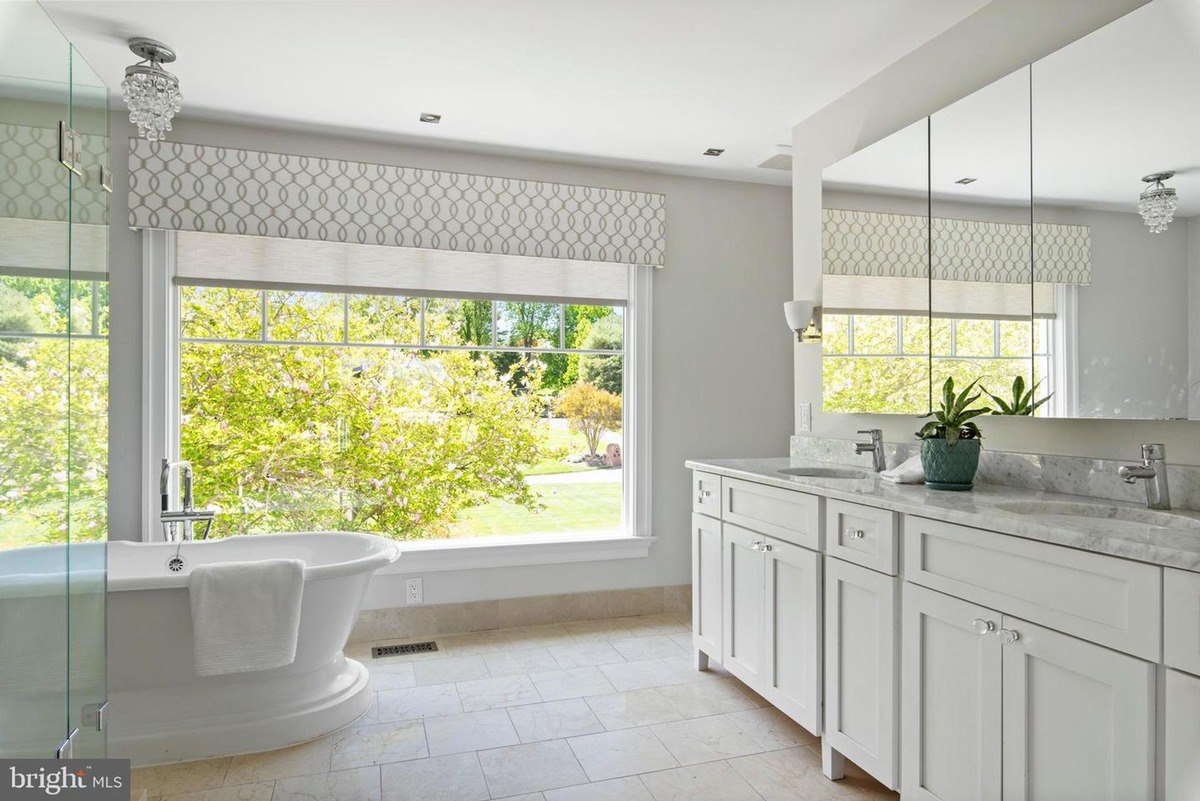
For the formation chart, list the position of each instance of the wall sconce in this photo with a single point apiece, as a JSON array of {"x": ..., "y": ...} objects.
[{"x": 804, "y": 317}]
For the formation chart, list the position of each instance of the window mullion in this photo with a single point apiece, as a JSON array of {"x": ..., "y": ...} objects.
[
  {"x": 262, "y": 304},
  {"x": 346, "y": 319}
]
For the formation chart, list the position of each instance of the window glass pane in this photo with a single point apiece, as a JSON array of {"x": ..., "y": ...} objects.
[
  {"x": 413, "y": 441},
  {"x": 1016, "y": 338},
  {"x": 865, "y": 384},
  {"x": 385, "y": 319},
  {"x": 304, "y": 316},
  {"x": 916, "y": 334},
  {"x": 975, "y": 337},
  {"x": 994, "y": 375},
  {"x": 1041, "y": 336},
  {"x": 835, "y": 334},
  {"x": 458, "y": 322},
  {"x": 527, "y": 325},
  {"x": 220, "y": 313},
  {"x": 875, "y": 334},
  {"x": 42, "y": 305},
  {"x": 102, "y": 303},
  {"x": 939, "y": 331}
]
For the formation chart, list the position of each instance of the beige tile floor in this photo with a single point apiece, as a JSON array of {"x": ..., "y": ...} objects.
[{"x": 600, "y": 710}]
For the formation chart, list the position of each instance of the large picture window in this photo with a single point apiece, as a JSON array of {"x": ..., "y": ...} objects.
[{"x": 411, "y": 417}]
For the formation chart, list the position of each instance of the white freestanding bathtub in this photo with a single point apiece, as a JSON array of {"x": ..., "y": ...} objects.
[{"x": 161, "y": 711}]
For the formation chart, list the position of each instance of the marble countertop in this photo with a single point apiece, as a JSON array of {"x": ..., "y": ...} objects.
[{"x": 984, "y": 507}]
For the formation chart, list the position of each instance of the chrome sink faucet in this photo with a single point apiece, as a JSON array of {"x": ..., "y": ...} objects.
[
  {"x": 180, "y": 525},
  {"x": 875, "y": 447},
  {"x": 1153, "y": 471}
]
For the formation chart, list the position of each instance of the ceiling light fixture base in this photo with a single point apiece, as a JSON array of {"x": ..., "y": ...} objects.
[{"x": 151, "y": 50}]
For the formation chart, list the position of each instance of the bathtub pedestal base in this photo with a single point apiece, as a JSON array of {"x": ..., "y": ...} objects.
[{"x": 187, "y": 722}]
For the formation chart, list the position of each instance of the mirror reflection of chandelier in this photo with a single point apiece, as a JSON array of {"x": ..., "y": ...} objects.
[{"x": 1158, "y": 203}]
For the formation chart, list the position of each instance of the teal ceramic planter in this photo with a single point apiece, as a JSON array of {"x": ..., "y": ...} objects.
[{"x": 950, "y": 467}]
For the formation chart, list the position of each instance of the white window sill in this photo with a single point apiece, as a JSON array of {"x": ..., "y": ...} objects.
[{"x": 470, "y": 554}]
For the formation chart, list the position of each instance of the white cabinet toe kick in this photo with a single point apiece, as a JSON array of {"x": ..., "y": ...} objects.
[{"x": 950, "y": 662}]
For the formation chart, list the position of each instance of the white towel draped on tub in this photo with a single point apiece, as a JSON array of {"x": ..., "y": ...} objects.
[{"x": 245, "y": 615}]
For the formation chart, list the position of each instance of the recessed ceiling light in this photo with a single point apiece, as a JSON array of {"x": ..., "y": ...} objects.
[
  {"x": 714, "y": 151},
  {"x": 965, "y": 181},
  {"x": 434, "y": 118}
]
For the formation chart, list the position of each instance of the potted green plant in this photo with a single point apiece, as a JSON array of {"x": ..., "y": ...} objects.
[
  {"x": 950, "y": 442},
  {"x": 1021, "y": 404}
]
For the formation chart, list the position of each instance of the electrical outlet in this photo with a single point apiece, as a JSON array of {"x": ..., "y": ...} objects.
[
  {"x": 414, "y": 590},
  {"x": 806, "y": 417}
]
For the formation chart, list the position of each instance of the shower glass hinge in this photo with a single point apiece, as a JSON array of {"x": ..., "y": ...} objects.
[
  {"x": 67, "y": 749},
  {"x": 70, "y": 149},
  {"x": 93, "y": 715},
  {"x": 105, "y": 179}
]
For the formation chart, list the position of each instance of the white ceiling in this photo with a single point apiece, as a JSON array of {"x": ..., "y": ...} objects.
[
  {"x": 1106, "y": 110},
  {"x": 635, "y": 82}
]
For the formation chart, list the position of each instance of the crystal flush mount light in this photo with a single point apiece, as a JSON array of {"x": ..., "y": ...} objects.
[
  {"x": 150, "y": 92},
  {"x": 1158, "y": 203}
]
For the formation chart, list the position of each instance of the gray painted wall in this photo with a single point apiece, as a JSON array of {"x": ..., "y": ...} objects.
[{"x": 720, "y": 350}]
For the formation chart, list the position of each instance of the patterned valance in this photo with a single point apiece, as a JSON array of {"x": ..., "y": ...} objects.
[
  {"x": 33, "y": 185},
  {"x": 224, "y": 190},
  {"x": 867, "y": 243}
]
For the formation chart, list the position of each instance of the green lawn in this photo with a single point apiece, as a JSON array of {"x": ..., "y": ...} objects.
[
  {"x": 569, "y": 507},
  {"x": 560, "y": 442}
]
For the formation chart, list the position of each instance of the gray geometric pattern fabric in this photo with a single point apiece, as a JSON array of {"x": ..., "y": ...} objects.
[
  {"x": 190, "y": 187},
  {"x": 34, "y": 186},
  {"x": 896, "y": 245}
]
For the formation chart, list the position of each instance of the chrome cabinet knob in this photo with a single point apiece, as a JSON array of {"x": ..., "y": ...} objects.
[
  {"x": 982, "y": 626},
  {"x": 855, "y": 533},
  {"x": 756, "y": 545},
  {"x": 702, "y": 494},
  {"x": 1008, "y": 636},
  {"x": 766, "y": 546}
]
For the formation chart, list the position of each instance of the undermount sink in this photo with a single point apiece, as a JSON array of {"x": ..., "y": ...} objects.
[
  {"x": 1095, "y": 511},
  {"x": 823, "y": 472}
]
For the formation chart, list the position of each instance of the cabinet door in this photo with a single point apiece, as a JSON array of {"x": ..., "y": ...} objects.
[
  {"x": 742, "y": 600},
  {"x": 1078, "y": 719},
  {"x": 792, "y": 643},
  {"x": 950, "y": 734},
  {"x": 862, "y": 668},
  {"x": 1182, "y": 737},
  {"x": 706, "y": 585}
]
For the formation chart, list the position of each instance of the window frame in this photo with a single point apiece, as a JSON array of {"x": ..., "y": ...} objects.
[{"x": 161, "y": 427}]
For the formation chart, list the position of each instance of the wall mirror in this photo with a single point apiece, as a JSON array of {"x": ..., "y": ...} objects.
[{"x": 1041, "y": 264}]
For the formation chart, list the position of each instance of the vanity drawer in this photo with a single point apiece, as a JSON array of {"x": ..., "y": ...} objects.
[
  {"x": 1099, "y": 598},
  {"x": 706, "y": 493},
  {"x": 1181, "y": 619},
  {"x": 791, "y": 516},
  {"x": 863, "y": 535}
]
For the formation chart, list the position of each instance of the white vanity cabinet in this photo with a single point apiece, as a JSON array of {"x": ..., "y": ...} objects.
[
  {"x": 998, "y": 707},
  {"x": 952, "y": 688},
  {"x": 706, "y": 588},
  {"x": 756, "y": 591},
  {"x": 743, "y": 590},
  {"x": 861, "y": 671},
  {"x": 952, "y": 662},
  {"x": 1182, "y": 736}
]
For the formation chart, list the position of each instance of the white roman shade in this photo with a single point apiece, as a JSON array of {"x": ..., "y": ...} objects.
[
  {"x": 216, "y": 190},
  {"x": 261, "y": 261}
]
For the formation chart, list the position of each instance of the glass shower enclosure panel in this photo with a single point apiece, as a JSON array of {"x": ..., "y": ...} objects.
[
  {"x": 53, "y": 392},
  {"x": 88, "y": 413}
]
